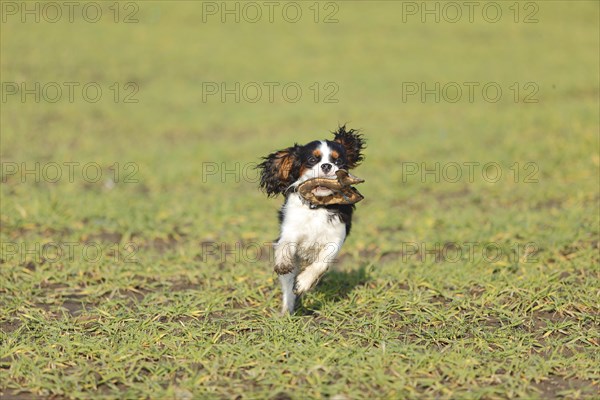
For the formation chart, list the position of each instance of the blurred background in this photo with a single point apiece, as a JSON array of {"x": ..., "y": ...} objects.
[
  {"x": 164, "y": 72},
  {"x": 162, "y": 109}
]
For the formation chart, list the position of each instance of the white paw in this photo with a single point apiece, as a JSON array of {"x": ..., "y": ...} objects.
[{"x": 303, "y": 283}]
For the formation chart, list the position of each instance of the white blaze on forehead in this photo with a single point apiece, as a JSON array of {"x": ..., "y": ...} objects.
[{"x": 325, "y": 151}]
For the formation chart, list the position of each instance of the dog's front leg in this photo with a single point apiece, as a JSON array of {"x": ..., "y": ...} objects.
[
  {"x": 289, "y": 297},
  {"x": 285, "y": 256},
  {"x": 318, "y": 266},
  {"x": 286, "y": 268}
]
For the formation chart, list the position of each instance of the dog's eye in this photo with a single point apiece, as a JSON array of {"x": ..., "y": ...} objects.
[
  {"x": 338, "y": 161},
  {"x": 312, "y": 160}
]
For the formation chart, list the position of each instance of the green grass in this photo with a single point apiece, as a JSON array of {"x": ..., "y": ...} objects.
[{"x": 183, "y": 322}]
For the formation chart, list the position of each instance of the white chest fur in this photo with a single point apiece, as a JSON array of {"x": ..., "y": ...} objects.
[
  {"x": 309, "y": 241},
  {"x": 304, "y": 225}
]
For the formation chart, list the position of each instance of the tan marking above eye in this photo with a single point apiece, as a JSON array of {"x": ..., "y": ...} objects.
[
  {"x": 316, "y": 153},
  {"x": 334, "y": 154}
]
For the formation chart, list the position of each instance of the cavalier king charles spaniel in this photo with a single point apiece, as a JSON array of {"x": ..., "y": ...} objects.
[{"x": 310, "y": 236}]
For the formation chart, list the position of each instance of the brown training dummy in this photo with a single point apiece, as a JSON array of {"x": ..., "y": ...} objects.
[{"x": 343, "y": 192}]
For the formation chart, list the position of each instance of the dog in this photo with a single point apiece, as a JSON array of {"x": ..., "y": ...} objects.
[{"x": 310, "y": 236}]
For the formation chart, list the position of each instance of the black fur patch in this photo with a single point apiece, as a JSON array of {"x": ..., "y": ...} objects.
[
  {"x": 280, "y": 169},
  {"x": 353, "y": 142},
  {"x": 343, "y": 212}
]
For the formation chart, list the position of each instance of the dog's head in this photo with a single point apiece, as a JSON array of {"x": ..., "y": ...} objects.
[{"x": 289, "y": 167}]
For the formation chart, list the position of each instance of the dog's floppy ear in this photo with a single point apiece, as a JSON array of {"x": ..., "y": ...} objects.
[
  {"x": 279, "y": 170},
  {"x": 353, "y": 142}
]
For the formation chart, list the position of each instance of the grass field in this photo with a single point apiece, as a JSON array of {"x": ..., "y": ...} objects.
[{"x": 143, "y": 271}]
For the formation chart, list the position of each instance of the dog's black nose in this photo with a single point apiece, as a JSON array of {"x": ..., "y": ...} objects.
[{"x": 326, "y": 167}]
